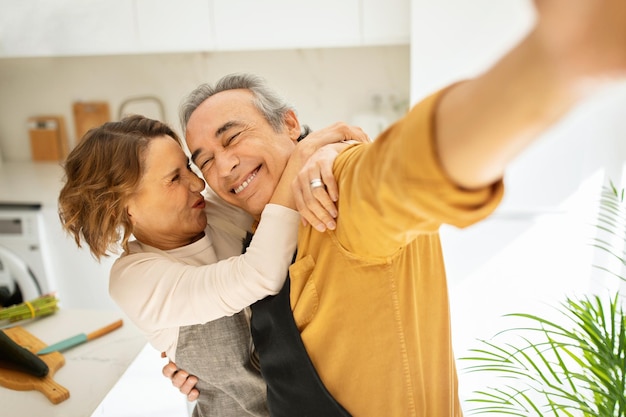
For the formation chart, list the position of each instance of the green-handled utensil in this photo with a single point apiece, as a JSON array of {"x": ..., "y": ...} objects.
[{"x": 80, "y": 339}]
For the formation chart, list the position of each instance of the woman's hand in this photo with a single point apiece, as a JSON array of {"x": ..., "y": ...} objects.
[
  {"x": 314, "y": 189},
  {"x": 185, "y": 383}
]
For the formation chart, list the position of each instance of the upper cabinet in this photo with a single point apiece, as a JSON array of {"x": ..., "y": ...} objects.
[
  {"x": 253, "y": 24},
  {"x": 269, "y": 24},
  {"x": 386, "y": 22},
  {"x": 103, "y": 27},
  {"x": 30, "y": 28},
  {"x": 173, "y": 25},
  {"x": 65, "y": 27}
]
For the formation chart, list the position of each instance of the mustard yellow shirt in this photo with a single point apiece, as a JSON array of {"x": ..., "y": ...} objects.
[{"x": 370, "y": 299}]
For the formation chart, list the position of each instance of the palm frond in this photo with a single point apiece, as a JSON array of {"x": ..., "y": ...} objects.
[{"x": 574, "y": 365}]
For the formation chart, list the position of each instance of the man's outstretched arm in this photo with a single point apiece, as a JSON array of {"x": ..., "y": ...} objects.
[{"x": 575, "y": 47}]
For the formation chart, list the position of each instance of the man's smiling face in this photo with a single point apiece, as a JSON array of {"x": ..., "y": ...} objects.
[{"x": 241, "y": 157}]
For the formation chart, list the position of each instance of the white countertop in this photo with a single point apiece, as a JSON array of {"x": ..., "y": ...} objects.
[
  {"x": 30, "y": 182},
  {"x": 90, "y": 369}
]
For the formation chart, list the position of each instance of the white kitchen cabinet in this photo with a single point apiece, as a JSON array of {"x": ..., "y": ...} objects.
[
  {"x": 386, "y": 22},
  {"x": 66, "y": 27},
  {"x": 174, "y": 26},
  {"x": 103, "y": 27},
  {"x": 270, "y": 24},
  {"x": 39, "y": 28},
  {"x": 250, "y": 24}
]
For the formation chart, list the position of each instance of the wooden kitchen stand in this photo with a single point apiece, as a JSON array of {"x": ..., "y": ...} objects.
[
  {"x": 21, "y": 381},
  {"x": 91, "y": 369}
]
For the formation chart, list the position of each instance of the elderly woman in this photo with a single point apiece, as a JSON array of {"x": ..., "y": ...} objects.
[{"x": 132, "y": 179}]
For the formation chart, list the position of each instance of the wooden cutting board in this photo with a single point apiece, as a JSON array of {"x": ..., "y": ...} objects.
[
  {"x": 48, "y": 138},
  {"x": 22, "y": 381},
  {"x": 88, "y": 114}
]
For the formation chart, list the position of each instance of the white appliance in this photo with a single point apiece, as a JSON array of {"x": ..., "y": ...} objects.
[{"x": 23, "y": 271}]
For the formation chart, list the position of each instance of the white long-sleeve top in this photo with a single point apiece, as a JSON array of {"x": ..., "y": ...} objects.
[{"x": 163, "y": 290}]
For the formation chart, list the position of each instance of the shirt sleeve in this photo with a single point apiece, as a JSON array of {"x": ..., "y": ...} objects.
[
  {"x": 157, "y": 291},
  {"x": 394, "y": 189}
]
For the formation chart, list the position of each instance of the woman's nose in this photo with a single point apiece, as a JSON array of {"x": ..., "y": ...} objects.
[{"x": 195, "y": 183}]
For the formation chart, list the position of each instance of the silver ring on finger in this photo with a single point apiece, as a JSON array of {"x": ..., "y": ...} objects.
[{"x": 316, "y": 183}]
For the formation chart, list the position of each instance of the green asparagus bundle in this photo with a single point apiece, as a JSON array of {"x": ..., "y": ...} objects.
[{"x": 39, "y": 307}]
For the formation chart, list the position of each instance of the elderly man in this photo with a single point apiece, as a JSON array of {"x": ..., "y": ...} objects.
[{"x": 362, "y": 326}]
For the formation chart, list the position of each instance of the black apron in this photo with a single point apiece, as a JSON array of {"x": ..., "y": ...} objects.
[
  {"x": 294, "y": 389},
  {"x": 293, "y": 386}
]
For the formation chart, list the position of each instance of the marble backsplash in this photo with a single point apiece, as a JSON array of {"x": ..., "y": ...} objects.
[{"x": 325, "y": 85}]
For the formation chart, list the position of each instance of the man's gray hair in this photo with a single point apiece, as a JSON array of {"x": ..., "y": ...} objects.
[{"x": 272, "y": 106}]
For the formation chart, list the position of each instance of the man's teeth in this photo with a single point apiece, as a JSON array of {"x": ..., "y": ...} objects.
[{"x": 245, "y": 184}]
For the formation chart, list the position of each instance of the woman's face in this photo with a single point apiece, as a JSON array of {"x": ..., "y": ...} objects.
[{"x": 167, "y": 209}]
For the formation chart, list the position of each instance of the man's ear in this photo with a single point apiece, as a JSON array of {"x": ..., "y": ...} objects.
[{"x": 292, "y": 124}]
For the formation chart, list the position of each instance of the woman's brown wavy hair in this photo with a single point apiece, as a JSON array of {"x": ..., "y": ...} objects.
[{"x": 101, "y": 173}]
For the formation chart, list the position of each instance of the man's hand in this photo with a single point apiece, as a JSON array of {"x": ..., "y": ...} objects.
[
  {"x": 317, "y": 208},
  {"x": 182, "y": 380},
  {"x": 575, "y": 48},
  {"x": 586, "y": 38},
  {"x": 314, "y": 189}
]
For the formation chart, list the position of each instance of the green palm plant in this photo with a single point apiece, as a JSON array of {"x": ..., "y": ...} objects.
[{"x": 571, "y": 366}]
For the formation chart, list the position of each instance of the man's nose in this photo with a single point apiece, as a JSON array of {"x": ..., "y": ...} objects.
[{"x": 225, "y": 162}]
